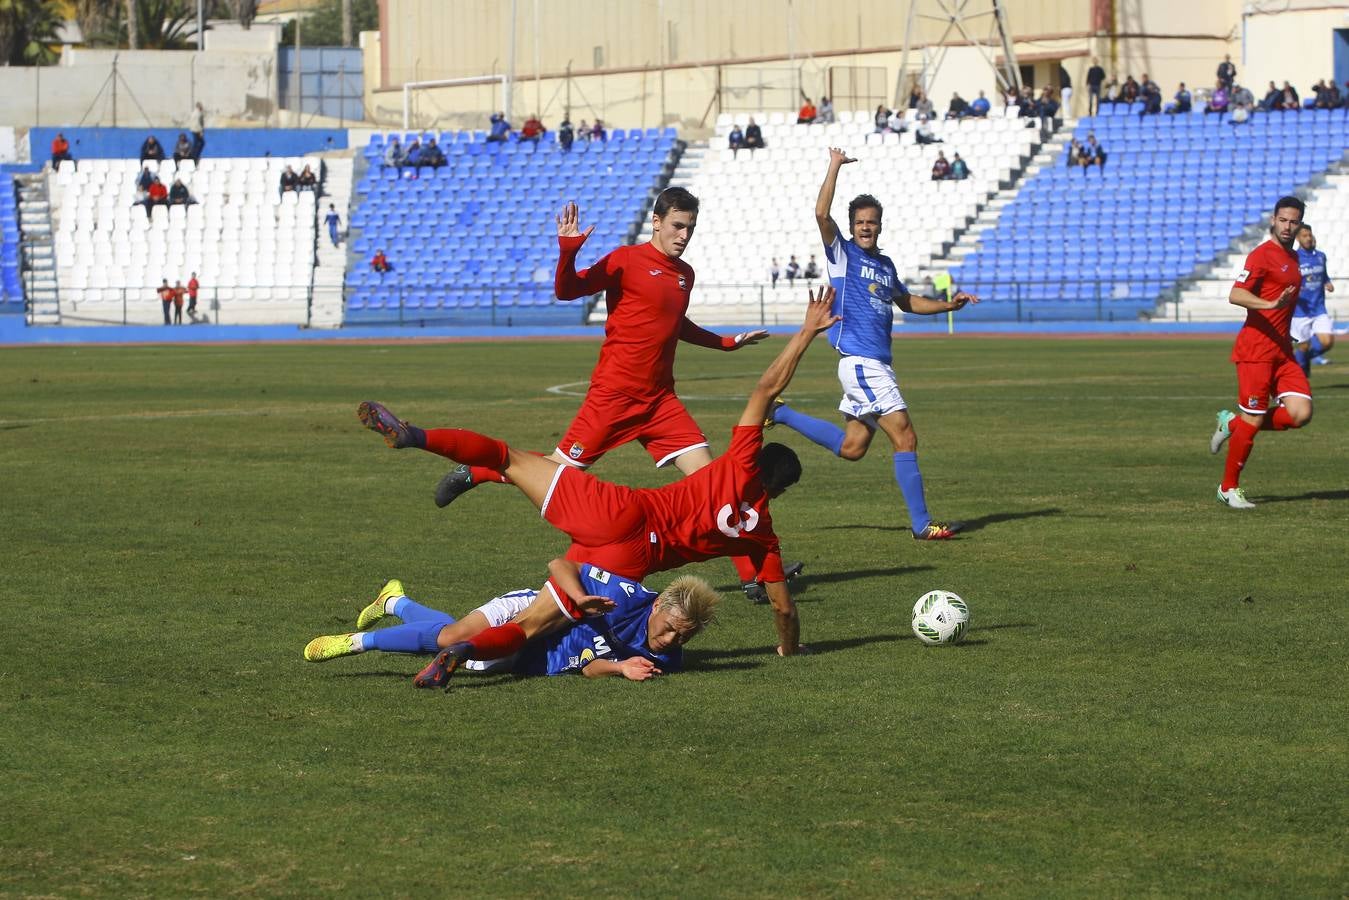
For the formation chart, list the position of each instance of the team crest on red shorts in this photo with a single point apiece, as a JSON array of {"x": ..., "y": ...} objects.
[
  {"x": 1254, "y": 402},
  {"x": 576, "y": 450}
]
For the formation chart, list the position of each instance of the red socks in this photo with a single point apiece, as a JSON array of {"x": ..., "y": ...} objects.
[
  {"x": 468, "y": 447},
  {"x": 1239, "y": 449},
  {"x": 1277, "y": 419},
  {"x": 483, "y": 475},
  {"x": 498, "y": 642}
]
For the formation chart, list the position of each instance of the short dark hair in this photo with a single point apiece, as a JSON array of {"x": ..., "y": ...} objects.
[
  {"x": 1305, "y": 226},
  {"x": 864, "y": 201},
  {"x": 779, "y": 467},
  {"x": 675, "y": 198},
  {"x": 1290, "y": 202}
]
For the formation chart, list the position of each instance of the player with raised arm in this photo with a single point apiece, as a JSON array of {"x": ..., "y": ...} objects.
[
  {"x": 1313, "y": 329},
  {"x": 720, "y": 510},
  {"x": 628, "y": 630},
  {"x": 867, "y": 288},
  {"x": 1267, "y": 288},
  {"x": 632, "y": 395}
]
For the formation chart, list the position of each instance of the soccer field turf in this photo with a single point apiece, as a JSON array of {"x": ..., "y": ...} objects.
[{"x": 1152, "y": 698}]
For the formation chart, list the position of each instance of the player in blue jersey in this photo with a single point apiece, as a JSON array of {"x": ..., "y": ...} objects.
[
  {"x": 866, "y": 290},
  {"x": 1313, "y": 328},
  {"x": 632, "y": 631}
]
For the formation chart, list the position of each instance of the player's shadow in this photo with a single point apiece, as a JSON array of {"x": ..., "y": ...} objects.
[
  {"x": 698, "y": 657},
  {"x": 1310, "y": 495},
  {"x": 966, "y": 525},
  {"x": 803, "y": 583}
]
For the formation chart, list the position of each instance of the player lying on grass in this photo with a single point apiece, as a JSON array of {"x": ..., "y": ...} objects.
[
  {"x": 720, "y": 510},
  {"x": 628, "y": 630}
]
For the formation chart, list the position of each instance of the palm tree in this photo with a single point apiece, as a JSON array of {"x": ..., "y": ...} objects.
[{"x": 27, "y": 31}]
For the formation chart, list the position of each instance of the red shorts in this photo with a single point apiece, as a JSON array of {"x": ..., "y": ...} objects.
[
  {"x": 606, "y": 523},
  {"x": 1258, "y": 381},
  {"x": 607, "y": 420}
]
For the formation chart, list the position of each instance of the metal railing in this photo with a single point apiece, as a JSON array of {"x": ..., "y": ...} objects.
[{"x": 215, "y": 306}]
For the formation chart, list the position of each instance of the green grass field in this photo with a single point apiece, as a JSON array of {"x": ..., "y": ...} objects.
[{"x": 1152, "y": 699}]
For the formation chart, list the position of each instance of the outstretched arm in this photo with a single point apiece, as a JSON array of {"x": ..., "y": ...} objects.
[
  {"x": 695, "y": 334},
  {"x": 568, "y": 284},
  {"x": 926, "y": 306},
  {"x": 634, "y": 668},
  {"x": 774, "y": 381},
  {"x": 825, "y": 201}
]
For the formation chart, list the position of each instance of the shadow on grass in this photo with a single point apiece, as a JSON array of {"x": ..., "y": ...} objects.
[
  {"x": 1310, "y": 495},
  {"x": 699, "y": 657},
  {"x": 803, "y": 583},
  {"x": 966, "y": 525}
]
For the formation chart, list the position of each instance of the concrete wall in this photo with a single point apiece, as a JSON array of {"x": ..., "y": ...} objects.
[
  {"x": 9, "y": 147},
  {"x": 1295, "y": 44}
]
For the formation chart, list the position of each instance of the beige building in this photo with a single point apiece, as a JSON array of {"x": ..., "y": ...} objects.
[{"x": 682, "y": 62}]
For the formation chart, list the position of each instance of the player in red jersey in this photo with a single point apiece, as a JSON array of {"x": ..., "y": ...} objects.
[
  {"x": 1267, "y": 288},
  {"x": 720, "y": 510}
]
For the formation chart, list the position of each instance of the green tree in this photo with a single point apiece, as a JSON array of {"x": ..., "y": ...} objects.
[
  {"x": 27, "y": 32},
  {"x": 323, "y": 27}
]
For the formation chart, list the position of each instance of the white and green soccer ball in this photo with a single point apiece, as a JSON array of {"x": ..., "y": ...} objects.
[{"x": 940, "y": 617}]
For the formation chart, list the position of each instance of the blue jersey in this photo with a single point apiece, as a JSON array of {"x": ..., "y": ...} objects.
[
  {"x": 616, "y": 635},
  {"x": 865, "y": 287},
  {"x": 1311, "y": 300}
]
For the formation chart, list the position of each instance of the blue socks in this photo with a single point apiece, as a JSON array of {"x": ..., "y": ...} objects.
[
  {"x": 826, "y": 434},
  {"x": 410, "y": 610},
  {"x": 1303, "y": 358},
  {"x": 910, "y": 482},
  {"x": 414, "y": 637}
]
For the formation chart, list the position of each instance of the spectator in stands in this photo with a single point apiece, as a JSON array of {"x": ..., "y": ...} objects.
[
  {"x": 1095, "y": 78},
  {"x": 1333, "y": 98},
  {"x": 793, "y": 271},
  {"x": 959, "y": 169},
  {"x": 923, "y": 134},
  {"x": 1290, "y": 98},
  {"x": 1151, "y": 100},
  {"x": 198, "y": 126},
  {"x": 380, "y": 263},
  {"x": 432, "y": 155},
  {"x": 1273, "y": 98},
  {"x": 413, "y": 157},
  {"x": 1241, "y": 105},
  {"x": 498, "y": 128},
  {"x": 1095, "y": 152},
  {"x": 806, "y": 114},
  {"x": 1129, "y": 91},
  {"x": 1111, "y": 93},
  {"x": 941, "y": 169},
  {"x": 980, "y": 106},
  {"x": 774, "y": 271},
  {"x": 333, "y": 221},
  {"x": 143, "y": 182},
  {"x": 958, "y": 109},
  {"x": 753, "y": 136},
  {"x": 182, "y": 149},
  {"x": 915, "y": 94},
  {"x": 584, "y": 131},
  {"x": 393, "y": 155},
  {"x": 1048, "y": 108},
  {"x": 166, "y": 298},
  {"x": 826, "y": 115},
  {"x": 736, "y": 139},
  {"x": 1085, "y": 158},
  {"x": 155, "y": 195},
  {"x": 289, "y": 180},
  {"x": 597, "y": 132},
  {"x": 1183, "y": 102},
  {"x": 532, "y": 130},
  {"x": 1217, "y": 101},
  {"x": 923, "y": 110},
  {"x": 179, "y": 195},
  {"x": 1227, "y": 73},
  {"x": 1065, "y": 92},
  {"x": 1148, "y": 86},
  {"x": 566, "y": 135},
  {"x": 812, "y": 270},
  {"x": 1026, "y": 106},
  {"x": 882, "y": 119},
  {"x": 1074, "y": 154},
  {"x": 179, "y": 292},
  {"x": 151, "y": 150},
  {"x": 60, "y": 150},
  {"x": 897, "y": 122},
  {"x": 308, "y": 180},
  {"x": 193, "y": 286}
]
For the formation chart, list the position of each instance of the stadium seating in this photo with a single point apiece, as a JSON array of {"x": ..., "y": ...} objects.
[
  {"x": 253, "y": 248},
  {"x": 11, "y": 284},
  {"x": 1175, "y": 192},
  {"x": 757, "y": 205},
  {"x": 475, "y": 240},
  {"x": 221, "y": 143}
]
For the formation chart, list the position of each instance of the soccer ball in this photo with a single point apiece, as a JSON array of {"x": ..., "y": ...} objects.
[{"x": 940, "y": 617}]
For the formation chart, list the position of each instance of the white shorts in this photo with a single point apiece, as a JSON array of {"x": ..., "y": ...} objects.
[
  {"x": 499, "y": 611},
  {"x": 1304, "y": 327},
  {"x": 869, "y": 389}
]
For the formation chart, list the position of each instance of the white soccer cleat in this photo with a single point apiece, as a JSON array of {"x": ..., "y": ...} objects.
[
  {"x": 1222, "y": 432},
  {"x": 1235, "y": 498}
]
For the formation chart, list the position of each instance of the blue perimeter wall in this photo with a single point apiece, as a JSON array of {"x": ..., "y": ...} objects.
[{"x": 125, "y": 143}]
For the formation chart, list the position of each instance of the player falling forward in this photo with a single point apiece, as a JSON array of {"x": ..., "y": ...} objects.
[
  {"x": 1313, "y": 329},
  {"x": 1267, "y": 289},
  {"x": 720, "y": 510},
  {"x": 867, "y": 287},
  {"x": 632, "y": 388},
  {"x": 628, "y": 630}
]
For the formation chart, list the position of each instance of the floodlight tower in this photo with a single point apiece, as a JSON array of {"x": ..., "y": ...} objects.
[{"x": 981, "y": 24}]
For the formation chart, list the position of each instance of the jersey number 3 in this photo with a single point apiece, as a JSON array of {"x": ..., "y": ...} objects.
[{"x": 746, "y": 521}]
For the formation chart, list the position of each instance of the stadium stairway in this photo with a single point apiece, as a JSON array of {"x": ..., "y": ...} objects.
[
  {"x": 1096, "y": 247},
  {"x": 11, "y": 253},
  {"x": 757, "y": 205},
  {"x": 326, "y": 307},
  {"x": 1204, "y": 298},
  {"x": 35, "y": 223}
]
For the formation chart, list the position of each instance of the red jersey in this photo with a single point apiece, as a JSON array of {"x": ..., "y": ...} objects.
[
  {"x": 720, "y": 510},
  {"x": 192, "y": 288},
  {"x": 1268, "y": 271},
  {"x": 646, "y": 295},
  {"x": 165, "y": 293}
]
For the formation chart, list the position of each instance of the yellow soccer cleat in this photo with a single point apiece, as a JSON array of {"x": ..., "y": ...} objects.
[
  {"x": 329, "y": 646},
  {"x": 375, "y": 611}
]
